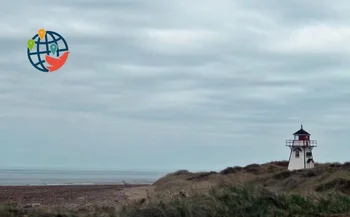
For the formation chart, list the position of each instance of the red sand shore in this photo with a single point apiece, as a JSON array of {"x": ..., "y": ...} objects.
[{"x": 67, "y": 196}]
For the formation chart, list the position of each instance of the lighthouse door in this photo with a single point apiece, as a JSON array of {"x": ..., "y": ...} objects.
[{"x": 310, "y": 164}]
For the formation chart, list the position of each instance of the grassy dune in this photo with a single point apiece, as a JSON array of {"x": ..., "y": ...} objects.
[
  {"x": 244, "y": 201},
  {"x": 254, "y": 190}
]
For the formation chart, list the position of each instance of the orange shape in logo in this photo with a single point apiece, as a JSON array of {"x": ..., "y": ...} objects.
[{"x": 56, "y": 63}]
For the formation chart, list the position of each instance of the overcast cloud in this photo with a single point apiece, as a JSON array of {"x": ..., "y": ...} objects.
[{"x": 163, "y": 85}]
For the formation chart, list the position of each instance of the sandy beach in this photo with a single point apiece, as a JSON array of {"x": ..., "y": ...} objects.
[{"x": 70, "y": 196}]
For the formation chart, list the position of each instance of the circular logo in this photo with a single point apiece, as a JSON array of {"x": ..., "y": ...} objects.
[{"x": 47, "y": 51}]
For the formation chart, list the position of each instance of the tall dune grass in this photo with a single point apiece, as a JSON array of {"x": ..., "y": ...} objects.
[{"x": 218, "y": 202}]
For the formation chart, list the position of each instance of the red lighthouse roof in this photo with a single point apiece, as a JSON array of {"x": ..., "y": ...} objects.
[{"x": 301, "y": 132}]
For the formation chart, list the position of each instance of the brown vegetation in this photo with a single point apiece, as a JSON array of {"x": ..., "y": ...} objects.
[{"x": 330, "y": 177}]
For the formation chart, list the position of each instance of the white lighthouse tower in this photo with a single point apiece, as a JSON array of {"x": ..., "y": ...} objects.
[{"x": 301, "y": 151}]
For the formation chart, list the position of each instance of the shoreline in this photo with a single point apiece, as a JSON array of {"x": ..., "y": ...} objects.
[
  {"x": 43, "y": 177},
  {"x": 72, "y": 197},
  {"x": 75, "y": 185},
  {"x": 78, "y": 184}
]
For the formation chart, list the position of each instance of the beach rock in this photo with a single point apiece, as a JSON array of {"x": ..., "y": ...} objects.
[
  {"x": 183, "y": 194},
  {"x": 32, "y": 205},
  {"x": 142, "y": 201}
]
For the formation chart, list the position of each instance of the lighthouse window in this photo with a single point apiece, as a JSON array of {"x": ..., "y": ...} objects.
[
  {"x": 297, "y": 153},
  {"x": 308, "y": 154}
]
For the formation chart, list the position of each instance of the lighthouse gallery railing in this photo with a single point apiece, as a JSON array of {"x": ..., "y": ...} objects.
[{"x": 310, "y": 143}]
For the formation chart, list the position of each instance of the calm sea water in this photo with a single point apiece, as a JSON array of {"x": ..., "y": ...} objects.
[{"x": 64, "y": 177}]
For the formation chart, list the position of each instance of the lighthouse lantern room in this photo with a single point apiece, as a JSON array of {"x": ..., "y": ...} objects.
[{"x": 301, "y": 150}]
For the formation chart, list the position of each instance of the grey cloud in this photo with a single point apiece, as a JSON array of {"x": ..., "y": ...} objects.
[{"x": 207, "y": 69}]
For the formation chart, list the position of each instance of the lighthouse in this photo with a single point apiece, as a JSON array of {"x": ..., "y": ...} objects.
[{"x": 301, "y": 150}]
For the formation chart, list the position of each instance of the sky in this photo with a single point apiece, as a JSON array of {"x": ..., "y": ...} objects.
[{"x": 164, "y": 85}]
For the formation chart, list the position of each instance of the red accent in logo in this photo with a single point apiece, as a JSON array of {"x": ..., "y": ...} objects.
[{"x": 56, "y": 63}]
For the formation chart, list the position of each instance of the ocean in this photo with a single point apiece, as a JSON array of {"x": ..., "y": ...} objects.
[{"x": 18, "y": 177}]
